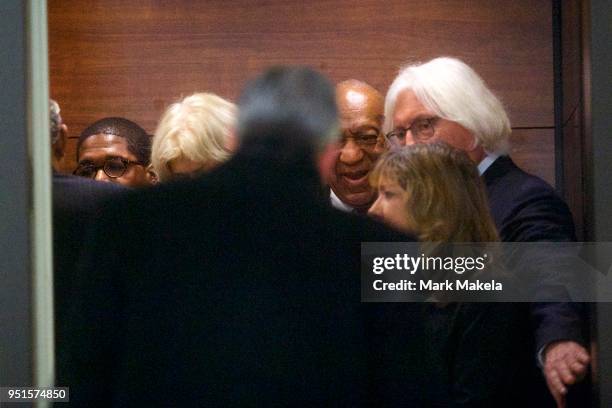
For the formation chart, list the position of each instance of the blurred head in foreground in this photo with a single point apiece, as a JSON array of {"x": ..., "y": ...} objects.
[
  {"x": 433, "y": 191},
  {"x": 193, "y": 136},
  {"x": 290, "y": 111},
  {"x": 114, "y": 150}
]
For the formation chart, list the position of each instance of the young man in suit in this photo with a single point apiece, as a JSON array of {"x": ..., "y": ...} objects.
[
  {"x": 76, "y": 201},
  {"x": 445, "y": 100}
]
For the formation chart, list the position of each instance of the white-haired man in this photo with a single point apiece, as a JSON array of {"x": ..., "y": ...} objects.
[{"x": 445, "y": 100}]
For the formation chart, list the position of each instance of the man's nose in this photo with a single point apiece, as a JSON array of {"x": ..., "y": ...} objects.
[
  {"x": 101, "y": 176},
  {"x": 409, "y": 139},
  {"x": 351, "y": 153}
]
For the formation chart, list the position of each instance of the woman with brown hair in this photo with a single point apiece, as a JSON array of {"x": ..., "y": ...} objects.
[{"x": 434, "y": 191}]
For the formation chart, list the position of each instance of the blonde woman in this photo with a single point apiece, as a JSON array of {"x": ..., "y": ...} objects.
[
  {"x": 434, "y": 191},
  {"x": 193, "y": 136}
]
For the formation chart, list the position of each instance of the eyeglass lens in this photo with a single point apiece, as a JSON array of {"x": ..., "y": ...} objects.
[{"x": 113, "y": 168}]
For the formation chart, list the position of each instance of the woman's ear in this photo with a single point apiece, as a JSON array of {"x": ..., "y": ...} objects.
[
  {"x": 231, "y": 141},
  {"x": 152, "y": 175}
]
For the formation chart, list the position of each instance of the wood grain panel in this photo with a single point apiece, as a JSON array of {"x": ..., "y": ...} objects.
[
  {"x": 533, "y": 150},
  {"x": 69, "y": 162},
  {"x": 111, "y": 57},
  {"x": 571, "y": 69},
  {"x": 573, "y": 168},
  {"x": 574, "y": 142}
]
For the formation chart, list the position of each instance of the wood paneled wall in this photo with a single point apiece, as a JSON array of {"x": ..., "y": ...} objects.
[
  {"x": 131, "y": 59},
  {"x": 575, "y": 147}
]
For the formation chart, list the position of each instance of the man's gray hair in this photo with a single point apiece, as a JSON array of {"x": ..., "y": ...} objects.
[
  {"x": 55, "y": 120},
  {"x": 454, "y": 91},
  {"x": 294, "y": 104}
]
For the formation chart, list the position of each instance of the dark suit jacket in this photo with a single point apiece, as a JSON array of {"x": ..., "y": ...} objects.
[
  {"x": 527, "y": 209},
  {"x": 458, "y": 355},
  {"x": 238, "y": 288},
  {"x": 75, "y": 205}
]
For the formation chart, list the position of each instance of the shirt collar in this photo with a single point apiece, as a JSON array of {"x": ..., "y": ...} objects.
[
  {"x": 337, "y": 203},
  {"x": 487, "y": 162}
]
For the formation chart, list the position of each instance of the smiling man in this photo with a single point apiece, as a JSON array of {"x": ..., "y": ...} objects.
[
  {"x": 114, "y": 150},
  {"x": 361, "y": 119}
]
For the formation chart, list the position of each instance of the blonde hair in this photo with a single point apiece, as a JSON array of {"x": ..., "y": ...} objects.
[
  {"x": 196, "y": 128},
  {"x": 454, "y": 91},
  {"x": 447, "y": 199}
]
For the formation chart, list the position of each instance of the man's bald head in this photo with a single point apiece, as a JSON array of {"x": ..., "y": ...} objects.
[
  {"x": 354, "y": 94},
  {"x": 361, "y": 108}
]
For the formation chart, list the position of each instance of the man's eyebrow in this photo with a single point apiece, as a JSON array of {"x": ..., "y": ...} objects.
[
  {"x": 420, "y": 116},
  {"x": 364, "y": 128}
]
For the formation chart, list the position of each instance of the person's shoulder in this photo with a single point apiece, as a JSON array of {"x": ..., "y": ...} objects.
[
  {"x": 519, "y": 184},
  {"x": 73, "y": 193},
  {"x": 67, "y": 181},
  {"x": 531, "y": 209},
  {"x": 364, "y": 229}
]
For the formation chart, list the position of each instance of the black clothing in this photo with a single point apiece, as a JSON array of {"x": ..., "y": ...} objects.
[
  {"x": 75, "y": 205},
  {"x": 239, "y": 288},
  {"x": 527, "y": 209}
]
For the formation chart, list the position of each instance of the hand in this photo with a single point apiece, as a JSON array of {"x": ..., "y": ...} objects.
[{"x": 565, "y": 363}]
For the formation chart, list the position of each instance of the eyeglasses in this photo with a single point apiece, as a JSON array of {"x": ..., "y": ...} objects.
[
  {"x": 421, "y": 130},
  {"x": 113, "y": 167}
]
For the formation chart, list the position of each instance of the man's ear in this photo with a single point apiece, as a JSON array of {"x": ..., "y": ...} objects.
[
  {"x": 326, "y": 161},
  {"x": 59, "y": 147}
]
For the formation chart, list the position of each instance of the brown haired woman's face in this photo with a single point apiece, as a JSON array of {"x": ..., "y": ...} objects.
[{"x": 392, "y": 206}]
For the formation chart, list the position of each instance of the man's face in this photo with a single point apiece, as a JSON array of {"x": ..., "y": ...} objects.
[
  {"x": 100, "y": 148},
  {"x": 361, "y": 117},
  {"x": 409, "y": 110}
]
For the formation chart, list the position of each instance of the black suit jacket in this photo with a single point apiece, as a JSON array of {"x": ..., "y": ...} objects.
[
  {"x": 240, "y": 288},
  {"x": 527, "y": 209},
  {"x": 457, "y": 355},
  {"x": 76, "y": 201}
]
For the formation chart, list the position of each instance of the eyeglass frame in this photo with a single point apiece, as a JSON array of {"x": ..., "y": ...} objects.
[
  {"x": 126, "y": 163},
  {"x": 389, "y": 136}
]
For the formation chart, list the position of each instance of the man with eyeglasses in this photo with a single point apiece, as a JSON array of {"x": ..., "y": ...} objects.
[
  {"x": 444, "y": 100},
  {"x": 115, "y": 150},
  {"x": 361, "y": 119},
  {"x": 76, "y": 202}
]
